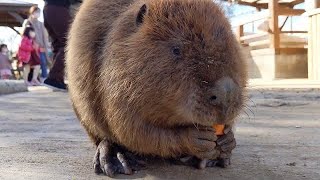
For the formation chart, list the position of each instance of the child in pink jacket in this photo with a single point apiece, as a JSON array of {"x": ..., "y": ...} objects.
[{"x": 27, "y": 55}]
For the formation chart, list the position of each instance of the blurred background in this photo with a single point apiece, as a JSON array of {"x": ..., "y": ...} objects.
[{"x": 251, "y": 21}]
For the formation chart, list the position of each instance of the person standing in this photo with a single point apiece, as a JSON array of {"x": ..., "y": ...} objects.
[
  {"x": 28, "y": 56},
  {"x": 5, "y": 64},
  {"x": 41, "y": 38},
  {"x": 56, "y": 20}
]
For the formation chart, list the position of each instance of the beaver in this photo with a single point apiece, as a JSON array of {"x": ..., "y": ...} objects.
[{"x": 151, "y": 77}]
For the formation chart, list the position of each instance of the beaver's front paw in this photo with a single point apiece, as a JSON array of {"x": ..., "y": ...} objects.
[
  {"x": 200, "y": 142},
  {"x": 225, "y": 143},
  {"x": 111, "y": 159}
]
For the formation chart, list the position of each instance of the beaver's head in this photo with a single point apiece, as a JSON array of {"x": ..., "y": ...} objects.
[{"x": 177, "y": 63}]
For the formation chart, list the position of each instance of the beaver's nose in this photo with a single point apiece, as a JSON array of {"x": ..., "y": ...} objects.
[{"x": 223, "y": 93}]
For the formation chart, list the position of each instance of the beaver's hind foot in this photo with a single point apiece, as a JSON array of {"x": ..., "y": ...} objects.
[
  {"x": 111, "y": 159},
  {"x": 220, "y": 162},
  {"x": 202, "y": 164}
]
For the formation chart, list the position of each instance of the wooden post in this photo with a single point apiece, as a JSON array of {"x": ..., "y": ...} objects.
[
  {"x": 239, "y": 33},
  {"x": 316, "y": 4},
  {"x": 310, "y": 51},
  {"x": 312, "y": 4},
  {"x": 314, "y": 45},
  {"x": 274, "y": 24}
]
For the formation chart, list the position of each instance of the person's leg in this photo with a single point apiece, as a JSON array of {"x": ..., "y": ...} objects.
[
  {"x": 43, "y": 63},
  {"x": 57, "y": 21},
  {"x": 13, "y": 74},
  {"x": 26, "y": 71},
  {"x": 36, "y": 70},
  {"x": 30, "y": 74}
]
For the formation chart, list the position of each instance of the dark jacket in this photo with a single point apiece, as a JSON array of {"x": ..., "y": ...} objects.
[{"x": 65, "y": 3}]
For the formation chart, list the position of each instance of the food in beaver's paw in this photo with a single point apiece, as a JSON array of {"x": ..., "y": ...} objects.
[{"x": 219, "y": 128}]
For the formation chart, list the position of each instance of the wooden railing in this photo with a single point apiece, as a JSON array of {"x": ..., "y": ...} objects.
[{"x": 271, "y": 37}]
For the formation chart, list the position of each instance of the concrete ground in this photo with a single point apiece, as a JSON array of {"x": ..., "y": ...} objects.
[{"x": 278, "y": 137}]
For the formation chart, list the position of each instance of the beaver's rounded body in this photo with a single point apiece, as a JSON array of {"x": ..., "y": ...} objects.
[{"x": 142, "y": 74}]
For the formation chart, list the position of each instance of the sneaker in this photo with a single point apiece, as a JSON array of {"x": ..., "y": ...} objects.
[
  {"x": 35, "y": 83},
  {"x": 28, "y": 83},
  {"x": 42, "y": 80},
  {"x": 59, "y": 86}
]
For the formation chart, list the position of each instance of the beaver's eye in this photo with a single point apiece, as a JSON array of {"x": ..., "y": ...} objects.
[{"x": 176, "y": 51}]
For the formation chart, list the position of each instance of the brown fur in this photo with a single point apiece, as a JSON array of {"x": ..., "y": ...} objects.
[{"x": 127, "y": 86}]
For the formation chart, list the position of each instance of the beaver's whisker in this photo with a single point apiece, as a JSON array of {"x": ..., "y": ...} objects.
[{"x": 195, "y": 125}]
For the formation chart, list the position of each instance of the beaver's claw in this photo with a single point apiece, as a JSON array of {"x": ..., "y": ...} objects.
[{"x": 111, "y": 159}]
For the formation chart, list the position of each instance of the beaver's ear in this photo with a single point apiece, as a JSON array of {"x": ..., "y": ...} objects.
[{"x": 141, "y": 14}]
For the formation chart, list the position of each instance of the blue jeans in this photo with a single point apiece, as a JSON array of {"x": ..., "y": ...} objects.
[{"x": 43, "y": 64}]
